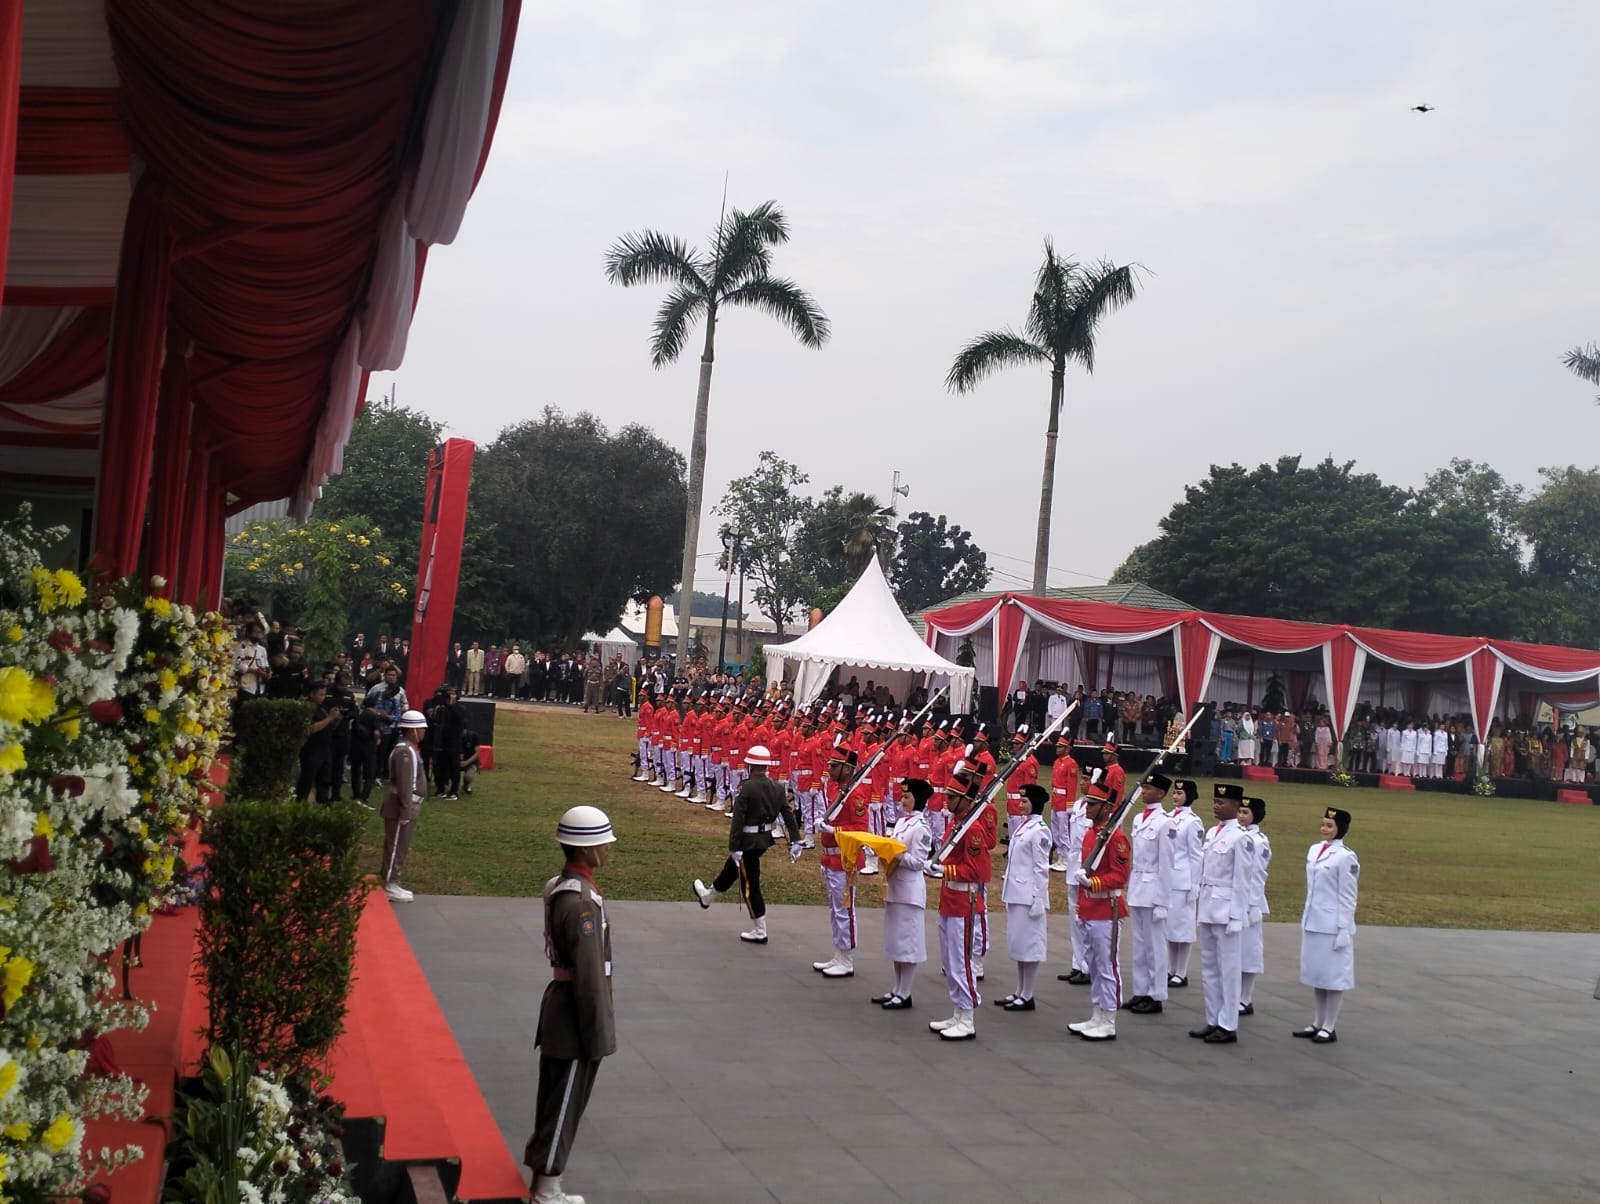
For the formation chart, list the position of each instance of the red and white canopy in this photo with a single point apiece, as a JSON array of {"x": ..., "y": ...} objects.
[
  {"x": 214, "y": 216},
  {"x": 1196, "y": 656}
]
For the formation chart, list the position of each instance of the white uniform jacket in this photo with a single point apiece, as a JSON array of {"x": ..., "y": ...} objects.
[
  {"x": 1028, "y": 865},
  {"x": 1441, "y": 745},
  {"x": 905, "y": 883},
  {"x": 1258, "y": 871},
  {"x": 1150, "y": 875},
  {"x": 1225, "y": 874},
  {"x": 1332, "y": 877},
  {"x": 1187, "y": 834},
  {"x": 1408, "y": 746}
]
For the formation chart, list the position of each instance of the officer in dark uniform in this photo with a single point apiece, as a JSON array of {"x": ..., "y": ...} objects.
[
  {"x": 757, "y": 805},
  {"x": 577, "y": 1026}
]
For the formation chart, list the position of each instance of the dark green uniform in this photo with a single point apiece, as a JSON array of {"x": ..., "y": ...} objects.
[{"x": 759, "y": 802}]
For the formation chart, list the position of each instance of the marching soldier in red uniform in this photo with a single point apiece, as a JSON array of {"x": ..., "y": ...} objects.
[
  {"x": 840, "y": 881},
  {"x": 1025, "y": 774},
  {"x": 1100, "y": 882},
  {"x": 967, "y": 872}
]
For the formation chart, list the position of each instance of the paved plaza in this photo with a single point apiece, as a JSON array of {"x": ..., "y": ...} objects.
[{"x": 1468, "y": 1069}]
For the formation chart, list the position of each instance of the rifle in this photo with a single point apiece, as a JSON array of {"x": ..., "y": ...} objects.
[
  {"x": 863, "y": 770},
  {"x": 997, "y": 784},
  {"x": 1092, "y": 861}
]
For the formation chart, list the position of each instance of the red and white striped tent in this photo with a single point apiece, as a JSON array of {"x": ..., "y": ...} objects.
[
  {"x": 1198, "y": 656},
  {"x": 214, "y": 216}
]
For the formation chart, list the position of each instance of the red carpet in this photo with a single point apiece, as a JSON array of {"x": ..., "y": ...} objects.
[
  {"x": 399, "y": 1060},
  {"x": 1260, "y": 773},
  {"x": 1394, "y": 781},
  {"x": 1573, "y": 796}
]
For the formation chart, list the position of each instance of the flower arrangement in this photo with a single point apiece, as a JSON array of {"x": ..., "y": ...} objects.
[
  {"x": 112, "y": 705},
  {"x": 249, "y": 1136},
  {"x": 1341, "y": 777},
  {"x": 1483, "y": 786}
]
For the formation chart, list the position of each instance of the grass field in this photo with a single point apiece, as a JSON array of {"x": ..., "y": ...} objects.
[{"x": 1431, "y": 860}]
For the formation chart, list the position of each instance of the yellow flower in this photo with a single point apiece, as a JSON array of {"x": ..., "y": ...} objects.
[
  {"x": 58, "y": 1135},
  {"x": 14, "y": 633},
  {"x": 8, "y": 1077},
  {"x": 166, "y": 679},
  {"x": 69, "y": 588},
  {"x": 151, "y": 715},
  {"x": 18, "y": 1132},
  {"x": 298, "y": 565},
  {"x": 158, "y": 606},
  {"x": 44, "y": 584},
  {"x": 41, "y": 825},
  {"x": 12, "y": 759},
  {"x": 69, "y": 728},
  {"x": 18, "y": 972},
  {"x": 23, "y": 698},
  {"x": 365, "y": 542}
]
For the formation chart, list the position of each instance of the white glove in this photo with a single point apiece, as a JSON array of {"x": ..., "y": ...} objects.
[
  {"x": 1234, "y": 928},
  {"x": 1158, "y": 914},
  {"x": 1254, "y": 917},
  {"x": 1342, "y": 941},
  {"x": 794, "y": 852},
  {"x": 1036, "y": 908},
  {"x": 825, "y": 828},
  {"x": 737, "y": 855},
  {"x": 1078, "y": 876}
]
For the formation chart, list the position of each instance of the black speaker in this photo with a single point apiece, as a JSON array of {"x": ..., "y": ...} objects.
[{"x": 478, "y": 715}]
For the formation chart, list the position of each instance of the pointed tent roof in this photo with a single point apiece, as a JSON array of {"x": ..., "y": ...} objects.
[{"x": 866, "y": 629}]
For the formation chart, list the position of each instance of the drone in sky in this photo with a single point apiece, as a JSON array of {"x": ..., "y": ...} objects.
[{"x": 1422, "y": 108}]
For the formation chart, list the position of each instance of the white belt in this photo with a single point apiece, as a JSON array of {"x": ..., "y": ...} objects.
[
  {"x": 1104, "y": 894},
  {"x": 754, "y": 827},
  {"x": 963, "y": 886}
]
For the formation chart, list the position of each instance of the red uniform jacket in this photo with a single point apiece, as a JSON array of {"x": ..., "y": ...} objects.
[
  {"x": 645, "y": 726},
  {"x": 1110, "y": 877},
  {"x": 1063, "y": 783},
  {"x": 1025, "y": 774},
  {"x": 667, "y": 727},
  {"x": 969, "y": 862},
  {"x": 1113, "y": 780},
  {"x": 852, "y": 818},
  {"x": 939, "y": 775},
  {"x": 985, "y": 764},
  {"x": 689, "y": 732}
]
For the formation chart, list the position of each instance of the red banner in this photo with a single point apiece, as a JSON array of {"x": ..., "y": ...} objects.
[{"x": 444, "y": 520}]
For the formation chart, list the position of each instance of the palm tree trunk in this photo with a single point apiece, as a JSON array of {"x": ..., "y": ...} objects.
[
  {"x": 697, "y": 476},
  {"x": 1047, "y": 488}
]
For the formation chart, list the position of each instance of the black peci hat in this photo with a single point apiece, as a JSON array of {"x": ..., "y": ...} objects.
[
  {"x": 1231, "y": 791},
  {"x": 1341, "y": 820}
]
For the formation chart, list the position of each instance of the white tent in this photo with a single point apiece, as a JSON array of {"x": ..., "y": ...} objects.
[
  {"x": 867, "y": 635},
  {"x": 614, "y": 643}
]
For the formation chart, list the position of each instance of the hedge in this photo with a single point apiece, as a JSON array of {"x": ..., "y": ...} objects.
[{"x": 267, "y": 736}]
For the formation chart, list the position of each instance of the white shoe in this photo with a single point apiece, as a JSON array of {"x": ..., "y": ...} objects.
[
  {"x": 697, "y": 797},
  {"x": 685, "y": 792},
  {"x": 823, "y": 967},
  {"x": 870, "y": 868},
  {"x": 639, "y": 777},
  {"x": 398, "y": 893},
  {"x": 962, "y": 1030},
  {"x": 938, "y": 1026},
  {"x": 547, "y": 1190},
  {"x": 655, "y": 778},
  {"x": 1081, "y": 1025},
  {"x": 758, "y": 934},
  {"x": 704, "y": 893},
  {"x": 844, "y": 966},
  {"x": 669, "y": 787},
  {"x": 1058, "y": 867},
  {"x": 1105, "y": 1030},
  {"x": 716, "y": 806}
]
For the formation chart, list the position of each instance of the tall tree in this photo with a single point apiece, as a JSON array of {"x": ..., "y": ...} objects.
[
  {"x": 385, "y": 473},
  {"x": 585, "y": 520},
  {"x": 735, "y": 272},
  {"x": 936, "y": 559},
  {"x": 768, "y": 514},
  {"x": 1585, "y": 363},
  {"x": 839, "y": 537},
  {"x": 1069, "y": 301}
]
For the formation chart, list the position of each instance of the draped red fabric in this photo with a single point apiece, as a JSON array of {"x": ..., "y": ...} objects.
[
  {"x": 191, "y": 557},
  {"x": 1108, "y": 617},
  {"x": 1527, "y": 704},
  {"x": 10, "y": 94},
  {"x": 75, "y": 359},
  {"x": 1007, "y": 642},
  {"x": 1483, "y": 672},
  {"x": 1341, "y": 656},
  {"x": 138, "y": 332},
  {"x": 1169, "y": 678},
  {"x": 1417, "y": 648},
  {"x": 954, "y": 618},
  {"x": 71, "y": 131},
  {"x": 1416, "y": 697},
  {"x": 1196, "y": 641},
  {"x": 1091, "y": 664},
  {"x": 211, "y": 538},
  {"x": 1553, "y": 659},
  {"x": 171, "y": 473},
  {"x": 1299, "y": 688},
  {"x": 1271, "y": 635}
]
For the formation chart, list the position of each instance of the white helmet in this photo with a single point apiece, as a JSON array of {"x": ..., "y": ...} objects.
[
  {"x": 413, "y": 719},
  {"x": 757, "y": 754},
  {"x": 584, "y": 826}
]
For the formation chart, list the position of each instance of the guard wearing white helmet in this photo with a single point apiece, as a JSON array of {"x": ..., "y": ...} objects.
[
  {"x": 402, "y": 801},
  {"x": 759, "y": 802},
  {"x": 577, "y": 1026}
]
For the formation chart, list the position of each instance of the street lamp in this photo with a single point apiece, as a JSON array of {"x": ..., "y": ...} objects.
[{"x": 730, "y": 548}]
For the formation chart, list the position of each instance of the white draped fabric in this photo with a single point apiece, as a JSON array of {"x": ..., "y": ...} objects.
[
  {"x": 386, "y": 321},
  {"x": 1344, "y": 708},
  {"x": 333, "y": 432},
  {"x": 458, "y": 118}
]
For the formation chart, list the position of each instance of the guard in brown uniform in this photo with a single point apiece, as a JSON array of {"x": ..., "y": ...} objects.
[{"x": 576, "y": 1024}]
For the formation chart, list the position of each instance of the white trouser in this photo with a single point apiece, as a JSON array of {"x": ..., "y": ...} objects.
[
  {"x": 841, "y": 908},
  {"x": 644, "y": 755},
  {"x": 1100, "y": 939},
  {"x": 1080, "y": 941},
  {"x": 1219, "y": 972},
  {"x": 958, "y": 945},
  {"x": 937, "y": 825},
  {"x": 1149, "y": 937}
]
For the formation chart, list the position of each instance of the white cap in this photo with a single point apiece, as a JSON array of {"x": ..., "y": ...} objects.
[
  {"x": 413, "y": 719},
  {"x": 582, "y": 827},
  {"x": 757, "y": 754}
]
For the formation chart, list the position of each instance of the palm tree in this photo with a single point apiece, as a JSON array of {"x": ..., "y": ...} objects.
[
  {"x": 1585, "y": 363},
  {"x": 1069, "y": 300},
  {"x": 868, "y": 528},
  {"x": 735, "y": 272}
]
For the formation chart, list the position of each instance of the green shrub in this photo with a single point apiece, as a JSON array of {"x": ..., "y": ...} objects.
[
  {"x": 278, "y": 935},
  {"x": 267, "y": 735}
]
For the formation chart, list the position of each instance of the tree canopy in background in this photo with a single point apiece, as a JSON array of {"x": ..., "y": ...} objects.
[
  {"x": 1465, "y": 554},
  {"x": 934, "y": 559},
  {"x": 766, "y": 515}
]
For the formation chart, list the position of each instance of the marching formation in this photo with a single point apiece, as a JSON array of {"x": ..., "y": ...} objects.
[{"x": 918, "y": 800}]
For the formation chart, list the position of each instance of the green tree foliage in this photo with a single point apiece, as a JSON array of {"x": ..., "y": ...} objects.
[
  {"x": 840, "y": 534},
  {"x": 735, "y": 273},
  {"x": 1585, "y": 363},
  {"x": 1069, "y": 302},
  {"x": 935, "y": 559},
  {"x": 705, "y": 605},
  {"x": 385, "y": 474},
  {"x": 1559, "y": 523},
  {"x": 768, "y": 515},
  {"x": 584, "y": 520}
]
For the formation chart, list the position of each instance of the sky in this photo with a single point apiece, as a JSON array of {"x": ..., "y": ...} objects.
[{"x": 1326, "y": 272}]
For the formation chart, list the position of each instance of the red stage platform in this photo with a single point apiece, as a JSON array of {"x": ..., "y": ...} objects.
[
  {"x": 1393, "y": 781},
  {"x": 1573, "y": 796},
  {"x": 1259, "y": 773}
]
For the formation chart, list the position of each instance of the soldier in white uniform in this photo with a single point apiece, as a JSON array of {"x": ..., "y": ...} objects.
[
  {"x": 905, "y": 897},
  {"x": 1252, "y": 955},
  {"x": 1187, "y": 832},
  {"x": 1408, "y": 751},
  {"x": 1328, "y": 925},
  {"x": 1076, "y": 824},
  {"x": 1149, "y": 894},
  {"x": 1025, "y": 891},
  {"x": 1223, "y": 906}
]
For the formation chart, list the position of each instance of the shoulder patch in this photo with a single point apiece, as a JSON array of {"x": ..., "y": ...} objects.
[
  {"x": 586, "y": 923},
  {"x": 1355, "y": 868}
]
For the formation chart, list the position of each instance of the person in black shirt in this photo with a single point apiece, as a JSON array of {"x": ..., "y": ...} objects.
[
  {"x": 446, "y": 726},
  {"x": 343, "y": 705},
  {"x": 316, "y": 754}
]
